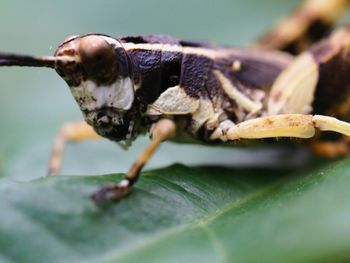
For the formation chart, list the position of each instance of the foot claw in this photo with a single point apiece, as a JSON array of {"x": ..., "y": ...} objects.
[{"x": 110, "y": 193}]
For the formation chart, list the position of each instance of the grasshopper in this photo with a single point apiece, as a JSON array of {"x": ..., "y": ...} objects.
[{"x": 290, "y": 84}]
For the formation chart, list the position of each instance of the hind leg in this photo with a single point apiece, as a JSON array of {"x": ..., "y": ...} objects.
[
  {"x": 306, "y": 25},
  {"x": 284, "y": 125}
]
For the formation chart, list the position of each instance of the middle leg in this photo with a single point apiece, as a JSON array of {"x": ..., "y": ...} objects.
[{"x": 163, "y": 130}]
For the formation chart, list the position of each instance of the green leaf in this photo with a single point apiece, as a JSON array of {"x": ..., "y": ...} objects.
[{"x": 182, "y": 214}]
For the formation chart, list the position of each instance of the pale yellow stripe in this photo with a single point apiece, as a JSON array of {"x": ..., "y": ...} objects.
[
  {"x": 184, "y": 50},
  {"x": 234, "y": 94}
]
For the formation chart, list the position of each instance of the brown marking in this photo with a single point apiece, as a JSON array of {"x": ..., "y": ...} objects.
[
  {"x": 268, "y": 122},
  {"x": 297, "y": 121},
  {"x": 277, "y": 96},
  {"x": 293, "y": 124}
]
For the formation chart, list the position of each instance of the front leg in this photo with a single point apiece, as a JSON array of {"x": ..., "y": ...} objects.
[
  {"x": 163, "y": 130},
  {"x": 71, "y": 131}
]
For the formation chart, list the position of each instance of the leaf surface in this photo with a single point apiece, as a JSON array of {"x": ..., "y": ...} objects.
[{"x": 182, "y": 214}]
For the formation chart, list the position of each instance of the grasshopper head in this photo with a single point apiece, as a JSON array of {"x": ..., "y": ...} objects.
[{"x": 98, "y": 72}]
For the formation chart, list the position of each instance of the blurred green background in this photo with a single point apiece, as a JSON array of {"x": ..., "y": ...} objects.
[{"x": 35, "y": 102}]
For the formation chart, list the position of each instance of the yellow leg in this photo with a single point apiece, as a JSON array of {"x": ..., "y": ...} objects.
[
  {"x": 161, "y": 131},
  {"x": 74, "y": 131},
  {"x": 284, "y": 125},
  {"x": 306, "y": 25}
]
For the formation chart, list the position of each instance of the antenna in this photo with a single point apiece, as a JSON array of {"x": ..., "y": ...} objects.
[{"x": 7, "y": 59}]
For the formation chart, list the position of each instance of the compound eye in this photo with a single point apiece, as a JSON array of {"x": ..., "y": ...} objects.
[{"x": 98, "y": 59}]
